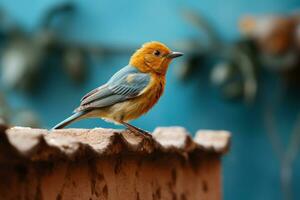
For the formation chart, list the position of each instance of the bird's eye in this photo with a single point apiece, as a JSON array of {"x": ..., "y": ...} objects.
[{"x": 156, "y": 53}]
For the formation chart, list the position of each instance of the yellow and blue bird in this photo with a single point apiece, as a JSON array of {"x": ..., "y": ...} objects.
[{"x": 130, "y": 92}]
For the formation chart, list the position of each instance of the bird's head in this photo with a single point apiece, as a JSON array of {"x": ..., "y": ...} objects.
[{"x": 153, "y": 57}]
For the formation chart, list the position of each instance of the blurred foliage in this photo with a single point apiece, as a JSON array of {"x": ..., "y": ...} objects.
[
  {"x": 277, "y": 38},
  {"x": 23, "y": 55},
  {"x": 269, "y": 43},
  {"x": 236, "y": 75}
]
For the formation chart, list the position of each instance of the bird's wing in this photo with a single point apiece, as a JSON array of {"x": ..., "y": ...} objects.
[
  {"x": 89, "y": 94},
  {"x": 127, "y": 83}
]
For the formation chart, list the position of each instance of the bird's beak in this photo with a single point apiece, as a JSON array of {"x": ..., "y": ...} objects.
[{"x": 174, "y": 54}]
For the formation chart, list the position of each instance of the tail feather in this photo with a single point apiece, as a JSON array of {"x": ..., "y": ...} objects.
[{"x": 69, "y": 120}]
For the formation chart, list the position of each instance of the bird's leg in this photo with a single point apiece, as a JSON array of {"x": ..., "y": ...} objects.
[{"x": 136, "y": 129}]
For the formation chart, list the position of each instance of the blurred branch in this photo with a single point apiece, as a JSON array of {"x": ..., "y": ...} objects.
[
  {"x": 198, "y": 51},
  {"x": 248, "y": 66},
  {"x": 293, "y": 147},
  {"x": 199, "y": 21},
  {"x": 286, "y": 156},
  {"x": 65, "y": 8},
  {"x": 289, "y": 158},
  {"x": 270, "y": 123},
  {"x": 236, "y": 76}
]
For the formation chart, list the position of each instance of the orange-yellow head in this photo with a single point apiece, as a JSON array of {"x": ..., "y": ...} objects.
[{"x": 153, "y": 57}]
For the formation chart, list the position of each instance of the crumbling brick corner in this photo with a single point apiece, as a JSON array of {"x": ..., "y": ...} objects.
[{"x": 73, "y": 164}]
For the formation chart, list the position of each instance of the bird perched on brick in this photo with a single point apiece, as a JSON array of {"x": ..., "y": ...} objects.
[{"x": 131, "y": 92}]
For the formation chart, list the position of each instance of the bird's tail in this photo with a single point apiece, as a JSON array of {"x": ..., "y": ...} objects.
[{"x": 69, "y": 120}]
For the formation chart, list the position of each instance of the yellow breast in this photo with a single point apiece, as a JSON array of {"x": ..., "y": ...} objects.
[{"x": 151, "y": 94}]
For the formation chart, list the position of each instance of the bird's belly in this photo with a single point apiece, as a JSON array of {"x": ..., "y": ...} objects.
[{"x": 133, "y": 108}]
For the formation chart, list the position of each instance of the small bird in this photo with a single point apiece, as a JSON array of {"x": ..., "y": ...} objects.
[{"x": 130, "y": 92}]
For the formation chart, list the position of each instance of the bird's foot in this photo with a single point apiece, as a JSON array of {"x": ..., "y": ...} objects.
[
  {"x": 145, "y": 133},
  {"x": 139, "y": 132}
]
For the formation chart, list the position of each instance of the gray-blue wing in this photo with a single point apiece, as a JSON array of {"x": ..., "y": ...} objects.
[{"x": 125, "y": 84}]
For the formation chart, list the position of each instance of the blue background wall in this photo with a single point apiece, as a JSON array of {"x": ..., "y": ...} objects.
[{"x": 251, "y": 170}]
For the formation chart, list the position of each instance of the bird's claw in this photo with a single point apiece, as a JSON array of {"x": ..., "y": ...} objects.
[
  {"x": 139, "y": 132},
  {"x": 146, "y": 134}
]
